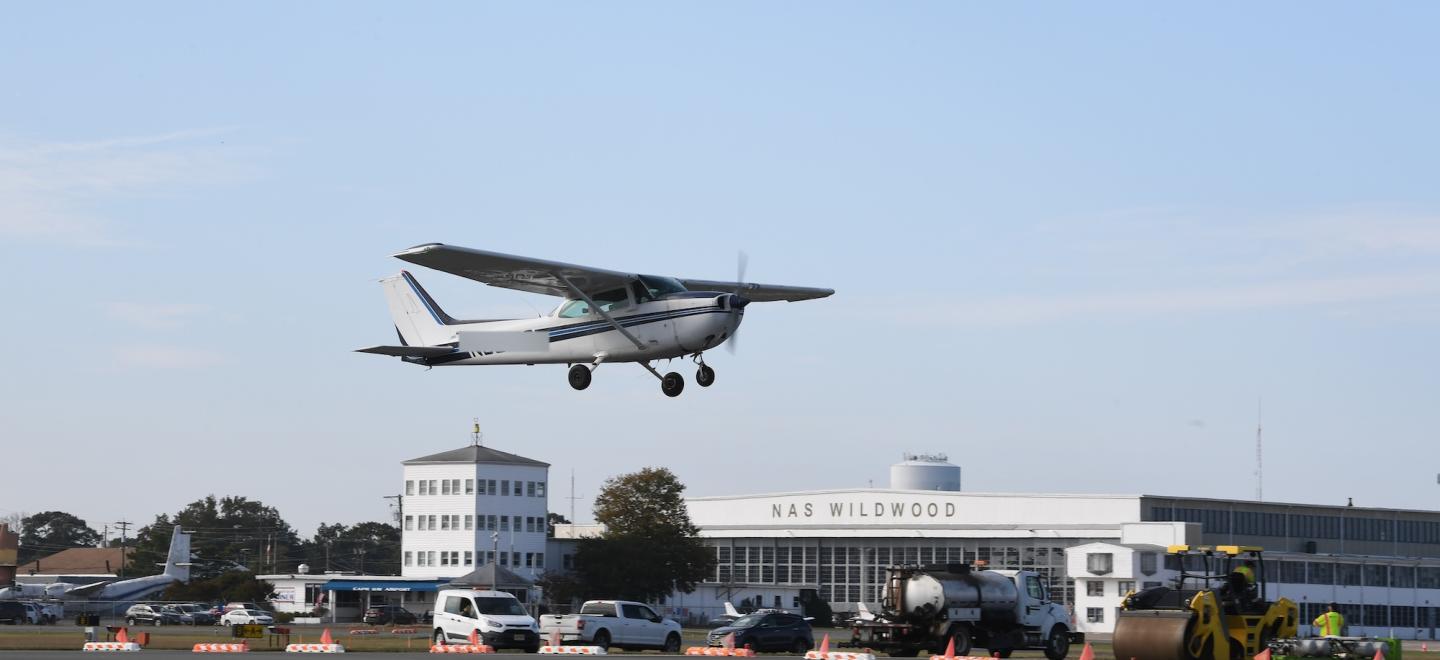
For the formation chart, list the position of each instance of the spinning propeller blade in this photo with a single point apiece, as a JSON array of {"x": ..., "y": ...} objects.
[{"x": 742, "y": 260}]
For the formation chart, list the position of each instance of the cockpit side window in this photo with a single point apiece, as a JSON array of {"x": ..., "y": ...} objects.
[
  {"x": 612, "y": 300},
  {"x": 574, "y": 309}
]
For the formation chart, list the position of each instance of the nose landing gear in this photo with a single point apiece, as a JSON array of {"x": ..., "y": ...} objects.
[
  {"x": 579, "y": 376},
  {"x": 705, "y": 376}
]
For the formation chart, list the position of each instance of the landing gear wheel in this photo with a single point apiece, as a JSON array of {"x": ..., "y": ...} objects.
[
  {"x": 579, "y": 376},
  {"x": 672, "y": 384},
  {"x": 705, "y": 376}
]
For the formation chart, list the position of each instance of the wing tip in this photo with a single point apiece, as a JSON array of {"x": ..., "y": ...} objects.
[{"x": 417, "y": 249}]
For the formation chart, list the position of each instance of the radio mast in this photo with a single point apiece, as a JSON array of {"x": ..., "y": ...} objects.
[{"x": 1259, "y": 451}]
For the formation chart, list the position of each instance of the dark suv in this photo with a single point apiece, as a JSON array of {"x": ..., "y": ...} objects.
[
  {"x": 154, "y": 615},
  {"x": 383, "y": 614},
  {"x": 12, "y": 612},
  {"x": 767, "y": 631}
]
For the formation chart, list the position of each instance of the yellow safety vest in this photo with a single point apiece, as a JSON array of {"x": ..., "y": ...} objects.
[
  {"x": 1330, "y": 624},
  {"x": 1249, "y": 574}
]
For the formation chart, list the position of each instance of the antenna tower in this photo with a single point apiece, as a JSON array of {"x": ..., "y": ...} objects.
[
  {"x": 1259, "y": 453},
  {"x": 476, "y": 437}
]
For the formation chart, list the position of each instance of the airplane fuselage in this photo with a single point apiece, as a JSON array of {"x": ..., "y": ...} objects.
[{"x": 675, "y": 326}]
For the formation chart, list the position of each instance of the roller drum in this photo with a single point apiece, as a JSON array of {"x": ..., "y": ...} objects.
[{"x": 1153, "y": 635}]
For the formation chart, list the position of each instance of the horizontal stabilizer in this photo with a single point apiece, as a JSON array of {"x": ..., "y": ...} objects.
[
  {"x": 408, "y": 351},
  {"x": 492, "y": 341}
]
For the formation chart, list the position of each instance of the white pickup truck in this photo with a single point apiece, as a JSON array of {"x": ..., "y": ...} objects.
[{"x": 618, "y": 623}]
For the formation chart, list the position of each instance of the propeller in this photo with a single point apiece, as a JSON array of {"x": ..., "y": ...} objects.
[{"x": 742, "y": 260}]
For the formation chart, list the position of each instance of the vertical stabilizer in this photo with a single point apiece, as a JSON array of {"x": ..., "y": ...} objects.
[
  {"x": 177, "y": 563},
  {"x": 419, "y": 320}
]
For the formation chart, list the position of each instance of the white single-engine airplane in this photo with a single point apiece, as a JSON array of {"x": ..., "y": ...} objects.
[{"x": 607, "y": 316}]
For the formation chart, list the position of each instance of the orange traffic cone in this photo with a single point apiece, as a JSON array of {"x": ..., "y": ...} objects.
[
  {"x": 1087, "y": 653},
  {"x": 122, "y": 637},
  {"x": 1424, "y": 648},
  {"x": 950, "y": 649},
  {"x": 555, "y": 637},
  {"x": 1379, "y": 655},
  {"x": 474, "y": 637},
  {"x": 1263, "y": 655},
  {"x": 825, "y": 645},
  {"x": 325, "y": 637}
]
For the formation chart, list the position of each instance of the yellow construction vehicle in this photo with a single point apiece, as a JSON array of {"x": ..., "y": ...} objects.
[{"x": 1216, "y": 609}]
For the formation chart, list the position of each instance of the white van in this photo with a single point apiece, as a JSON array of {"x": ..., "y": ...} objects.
[{"x": 497, "y": 616}]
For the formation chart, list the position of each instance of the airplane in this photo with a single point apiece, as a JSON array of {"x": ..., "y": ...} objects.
[
  {"x": 605, "y": 316},
  {"x": 177, "y": 569}
]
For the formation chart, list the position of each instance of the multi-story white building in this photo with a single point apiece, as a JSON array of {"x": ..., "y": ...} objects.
[{"x": 466, "y": 507}]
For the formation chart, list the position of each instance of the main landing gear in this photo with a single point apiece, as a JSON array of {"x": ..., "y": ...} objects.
[{"x": 672, "y": 384}]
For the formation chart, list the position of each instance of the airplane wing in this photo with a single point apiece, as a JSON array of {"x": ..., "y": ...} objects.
[
  {"x": 408, "y": 351},
  {"x": 512, "y": 272},
  {"x": 759, "y": 292},
  {"x": 86, "y": 590}
]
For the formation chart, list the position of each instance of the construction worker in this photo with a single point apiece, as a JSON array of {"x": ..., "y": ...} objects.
[
  {"x": 1331, "y": 623},
  {"x": 1247, "y": 570},
  {"x": 1242, "y": 582}
]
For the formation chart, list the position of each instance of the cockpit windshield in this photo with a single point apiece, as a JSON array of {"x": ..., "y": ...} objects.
[{"x": 657, "y": 285}]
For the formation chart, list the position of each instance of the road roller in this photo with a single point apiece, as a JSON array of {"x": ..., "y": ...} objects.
[{"x": 1215, "y": 609}]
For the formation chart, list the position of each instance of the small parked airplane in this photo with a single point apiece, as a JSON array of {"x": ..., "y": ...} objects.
[
  {"x": 606, "y": 316},
  {"x": 177, "y": 569}
]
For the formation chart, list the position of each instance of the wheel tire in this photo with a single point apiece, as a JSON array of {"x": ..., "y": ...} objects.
[
  {"x": 1059, "y": 645},
  {"x": 438, "y": 638},
  {"x": 580, "y": 376},
  {"x": 672, "y": 644},
  {"x": 532, "y": 649},
  {"x": 130, "y": 621},
  {"x": 602, "y": 639},
  {"x": 705, "y": 376},
  {"x": 672, "y": 384},
  {"x": 963, "y": 643}
]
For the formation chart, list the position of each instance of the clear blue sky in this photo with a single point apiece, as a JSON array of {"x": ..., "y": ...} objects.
[{"x": 1073, "y": 244}]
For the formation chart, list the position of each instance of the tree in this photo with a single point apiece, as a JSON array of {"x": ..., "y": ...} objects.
[
  {"x": 230, "y": 586},
  {"x": 649, "y": 547},
  {"x": 368, "y": 547},
  {"x": 230, "y": 533},
  {"x": 49, "y": 532},
  {"x": 551, "y": 520}
]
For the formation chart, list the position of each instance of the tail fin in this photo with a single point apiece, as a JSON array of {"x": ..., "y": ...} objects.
[
  {"x": 730, "y": 609},
  {"x": 864, "y": 612},
  {"x": 177, "y": 563},
  {"x": 418, "y": 319}
]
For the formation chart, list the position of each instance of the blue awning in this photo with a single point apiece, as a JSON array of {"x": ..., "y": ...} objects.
[{"x": 383, "y": 585}]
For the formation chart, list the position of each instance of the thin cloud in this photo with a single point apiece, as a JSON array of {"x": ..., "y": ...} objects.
[
  {"x": 56, "y": 192},
  {"x": 154, "y": 316},
  {"x": 167, "y": 357},
  {"x": 1133, "y": 304}
]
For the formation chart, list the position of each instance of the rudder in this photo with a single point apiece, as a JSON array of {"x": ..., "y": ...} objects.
[{"x": 418, "y": 319}]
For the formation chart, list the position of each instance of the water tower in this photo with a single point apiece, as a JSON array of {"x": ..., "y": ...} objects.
[{"x": 925, "y": 472}]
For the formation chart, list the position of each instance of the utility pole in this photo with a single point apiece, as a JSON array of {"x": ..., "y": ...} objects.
[
  {"x": 399, "y": 508},
  {"x": 124, "y": 526}
]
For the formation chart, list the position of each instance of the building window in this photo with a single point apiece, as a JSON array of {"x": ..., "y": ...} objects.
[
  {"x": 1152, "y": 585},
  {"x": 539, "y": 560},
  {"x": 490, "y": 523},
  {"x": 530, "y": 489},
  {"x": 469, "y": 486},
  {"x": 529, "y": 523},
  {"x": 1094, "y": 588},
  {"x": 491, "y": 483},
  {"x": 409, "y": 486},
  {"x": 409, "y": 522},
  {"x": 432, "y": 488},
  {"x": 454, "y": 486},
  {"x": 529, "y": 560},
  {"x": 445, "y": 523},
  {"x": 424, "y": 487},
  {"x": 409, "y": 556},
  {"x": 539, "y": 489},
  {"x": 504, "y": 523},
  {"x": 444, "y": 559},
  {"x": 505, "y": 487},
  {"x": 469, "y": 522},
  {"x": 1099, "y": 563},
  {"x": 454, "y": 557},
  {"x": 1147, "y": 563},
  {"x": 514, "y": 559},
  {"x": 432, "y": 557},
  {"x": 1125, "y": 587},
  {"x": 504, "y": 559},
  {"x": 432, "y": 522},
  {"x": 469, "y": 558},
  {"x": 1095, "y": 614},
  {"x": 444, "y": 486}
]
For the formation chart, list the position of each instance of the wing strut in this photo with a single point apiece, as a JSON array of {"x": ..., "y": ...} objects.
[{"x": 606, "y": 315}]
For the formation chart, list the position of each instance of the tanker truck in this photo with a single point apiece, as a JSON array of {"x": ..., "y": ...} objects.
[{"x": 925, "y": 607}]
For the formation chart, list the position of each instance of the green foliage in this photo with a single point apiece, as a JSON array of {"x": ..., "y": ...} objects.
[
  {"x": 49, "y": 532},
  {"x": 229, "y": 533},
  {"x": 368, "y": 547},
  {"x": 225, "y": 587},
  {"x": 649, "y": 548},
  {"x": 551, "y": 520}
]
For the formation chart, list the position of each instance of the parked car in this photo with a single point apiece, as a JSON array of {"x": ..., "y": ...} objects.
[
  {"x": 241, "y": 606},
  {"x": 767, "y": 631},
  {"x": 154, "y": 615},
  {"x": 12, "y": 612},
  {"x": 619, "y": 623},
  {"x": 234, "y": 617},
  {"x": 496, "y": 616},
  {"x": 190, "y": 614},
  {"x": 383, "y": 614}
]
